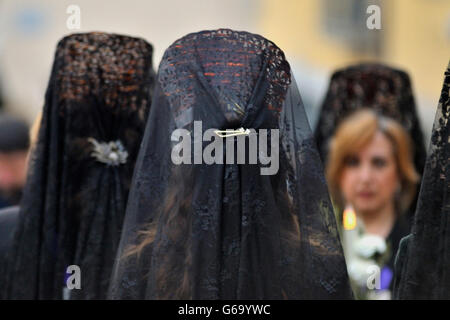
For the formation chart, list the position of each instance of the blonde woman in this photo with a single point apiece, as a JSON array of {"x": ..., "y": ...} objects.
[{"x": 371, "y": 174}]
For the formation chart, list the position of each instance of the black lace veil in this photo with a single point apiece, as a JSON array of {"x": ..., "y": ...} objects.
[
  {"x": 225, "y": 231},
  {"x": 423, "y": 260},
  {"x": 80, "y": 171},
  {"x": 370, "y": 85}
]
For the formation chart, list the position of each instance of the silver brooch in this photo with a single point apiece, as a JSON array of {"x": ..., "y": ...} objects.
[{"x": 112, "y": 153}]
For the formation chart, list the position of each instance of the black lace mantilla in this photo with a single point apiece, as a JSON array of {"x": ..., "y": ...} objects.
[
  {"x": 375, "y": 86},
  {"x": 224, "y": 231},
  {"x": 423, "y": 260},
  {"x": 73, "y": 206}
]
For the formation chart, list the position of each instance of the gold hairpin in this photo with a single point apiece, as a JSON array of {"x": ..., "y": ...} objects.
[
  {"x": 238, "y": 109},
  {"x": 232, "y": 133}
]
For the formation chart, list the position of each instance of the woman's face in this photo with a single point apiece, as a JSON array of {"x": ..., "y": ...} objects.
[{"x": 369, "y": 179}]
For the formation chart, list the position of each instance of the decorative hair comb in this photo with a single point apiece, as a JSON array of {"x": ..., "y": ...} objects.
[{"x": 112, "y": 153}]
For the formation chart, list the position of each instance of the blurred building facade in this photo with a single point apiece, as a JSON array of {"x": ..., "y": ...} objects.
[
  {"x": 318, "y": 36},
  {"x": 329, "y": 34}
]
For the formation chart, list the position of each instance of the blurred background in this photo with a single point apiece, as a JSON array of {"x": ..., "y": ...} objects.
[{"x": 317, "y": 36}]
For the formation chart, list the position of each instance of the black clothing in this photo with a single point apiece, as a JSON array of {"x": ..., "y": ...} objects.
[
  {"x": 80, "y": 171},
  {"x": 423, "y": 261},
  {"x": 226, "y": 231}
]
